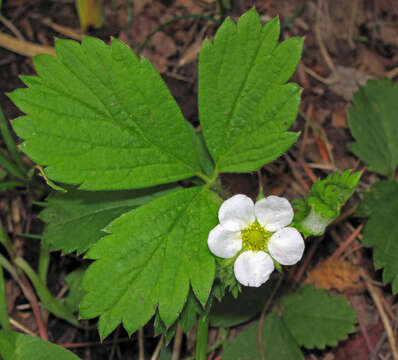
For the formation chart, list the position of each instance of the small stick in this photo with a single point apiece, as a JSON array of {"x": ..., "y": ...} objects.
[
  {"x": 307, "y": 170},
  {"x": 12, "y": 27},
  {"x": 296, "y": 173},
  {"x": 115, "y": 338},
  {"x": 340, "y": 250},
  {"x": 306, "y": 261},
  {"x": 177, "y": 343},
  {"x": 141, "y": 344},
  {"x": 19, "y": 326},
  {"x": 156, "y": 353},
  {"x": 376, "y": 296}
]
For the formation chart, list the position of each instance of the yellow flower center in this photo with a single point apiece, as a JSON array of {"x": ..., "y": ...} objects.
[{"x": 255, "y": 237}]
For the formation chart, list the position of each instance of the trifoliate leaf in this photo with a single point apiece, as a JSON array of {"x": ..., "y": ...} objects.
[
  {"x": 245, "y": 110},
  {"x": 277, "y": 342},
  {"x": 76, "y": 219},
  {"x": 153, "y": 255},
  {"x": 323, "y": 204},
  {"x": 317, "y": 319},
  {"x": 231, "y": 311},
  {"x": 17, "y": 346},
  {"x": 103, "y": 119},
  {"x": 373, "y": 123},
  {"x": 381, "y": 230}
]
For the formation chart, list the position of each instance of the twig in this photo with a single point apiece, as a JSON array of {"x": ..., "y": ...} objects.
[
  {"x": 115, "y": 338},
  {"x": 156, "y": 353},
  {"x": 363, "y": 328},
  {"x": 141, "y": 344},
  {"x": 177, "y": 343},
  {"x": 64, "y": 30},
  {"x": 176, "y": 19},
  {"x": 351, "y": 26},
  {"x": 307, "y": 170},
  {"x": 262, "y": 316},
  {"x": 24, "y": 47},
  {"x": 296, "y": 174},
  {"x": 19, "y": 326},
  {"x": 93, "y": 343},
  {"x": 373, "y": 355},
  {"x": 340, "y": 250},
  {"x": 307, "y": 259},
  {"x": 322, "y": 46},
  {"x": 376, "y": 296},
  {"x": 12, "y": 27}
]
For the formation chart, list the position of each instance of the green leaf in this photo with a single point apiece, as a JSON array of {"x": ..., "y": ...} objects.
[
  {"x": 231, "y": 311},
  {"x": 323, "y": 204},
  {"x": 76, "y": 219},
  {"x": 189, "y": 312},
  {"x": 277, "y": 342},
  {"x": 381, "y": 231},
  {"x": 373, "y": 123},
  {"x": 317, "y": 319},
  {"x": 51, "y": 303},
  {"x": 245, "y": 110},
  {"x": 17, "y": 346},
  {"x": 153, "y": 255},
  {"x": 101, "y": 118},
  {"x": 75, "y": 293}
]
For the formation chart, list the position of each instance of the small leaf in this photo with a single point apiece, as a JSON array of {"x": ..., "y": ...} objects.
[
  {"x": 189, "y": 312},
  {"x": 76, "y": 219},
  {"x": 103, "y": 119},
  {"x": 277, "y": 342},
  {"x": 17, "y": 346},
  {"x": 381, "y": 230},
  {"x": 232, "y": 311},
  {"x": 75, "y": 293},
  {"x": 245, "y": 110},
  {"x": 323, "y": 204},
  {"x": 153, "y": 255},
  {"x": 373, "y": 122},
  {"x": 317, "y": 319}
]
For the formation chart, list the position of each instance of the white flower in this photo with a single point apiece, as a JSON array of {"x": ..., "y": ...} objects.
[{"x": 259, "y": 231}]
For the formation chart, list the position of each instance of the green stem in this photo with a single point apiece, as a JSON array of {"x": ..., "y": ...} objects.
[
  {"x": 4, "y": 319},
  {"x": 11, "y": 167},
  {"x": 5, "y": 240},
  {"x": 176, "y": 19},
  {"x": 12, "y": 148},
  {"x": 201, "y": 336}
]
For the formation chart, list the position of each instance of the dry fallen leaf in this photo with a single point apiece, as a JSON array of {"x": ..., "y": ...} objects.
[
  {"x": 337, "y": 274},
  {"x": 350, "y": 78}
]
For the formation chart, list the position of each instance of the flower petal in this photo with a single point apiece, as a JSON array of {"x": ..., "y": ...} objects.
[
  {"x": 224, "y": 243},
  {"x": 237, "y": 213},
  {"x": 286, "y": 246},
  {"x": 253, "y": 268},
  {"x": 274, "y": 212}
]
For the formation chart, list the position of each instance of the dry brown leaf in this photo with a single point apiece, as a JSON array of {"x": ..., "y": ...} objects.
[
  {"x": 339, "y": 117},
  {"x": 350, "y": 78},
  {"x": 337, "y": 274},
  {"x": 370, "y": 63}
]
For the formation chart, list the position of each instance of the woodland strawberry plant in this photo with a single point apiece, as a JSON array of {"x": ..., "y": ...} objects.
[{"x": 102, "y": 124}]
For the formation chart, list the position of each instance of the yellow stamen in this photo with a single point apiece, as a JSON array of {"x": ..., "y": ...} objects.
[{"x": 255, "y": 237}]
